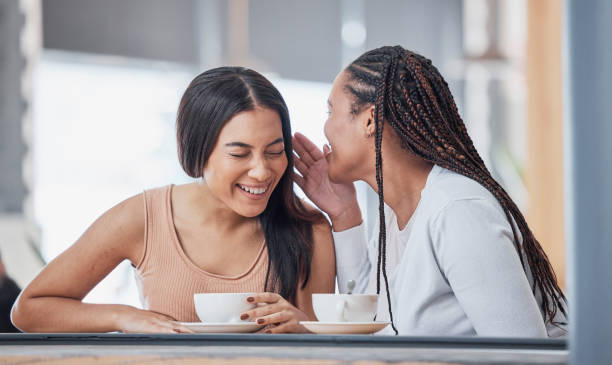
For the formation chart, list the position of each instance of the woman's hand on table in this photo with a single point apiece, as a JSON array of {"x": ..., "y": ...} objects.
[
  {"x": 134, "y": 320},
  {"x": 276, "y": 313}
]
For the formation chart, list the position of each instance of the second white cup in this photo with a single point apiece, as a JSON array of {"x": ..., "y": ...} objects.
[{"x": 345, "y": 307}]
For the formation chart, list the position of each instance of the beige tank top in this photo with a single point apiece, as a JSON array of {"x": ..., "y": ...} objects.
[{"x": 167, "y": 278}]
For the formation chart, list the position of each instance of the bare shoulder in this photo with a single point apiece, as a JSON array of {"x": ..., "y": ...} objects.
[
  {"x": 128, "y": 215},
  {"x": 321, "y": 226},
  {"x": 122, "y": 227},
  {"x": 323, "y": 243},
  {"x": 323, "y": 264}
]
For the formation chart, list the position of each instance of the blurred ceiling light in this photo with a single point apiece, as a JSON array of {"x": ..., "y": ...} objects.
[{"x": 353, "y": 34}]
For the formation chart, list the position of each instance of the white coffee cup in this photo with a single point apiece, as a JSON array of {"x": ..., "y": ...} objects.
[
  {"x": 345, "y": 307},
  {"x": 221, "y": 307}
]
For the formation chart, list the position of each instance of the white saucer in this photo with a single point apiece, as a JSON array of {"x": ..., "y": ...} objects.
[
  {"x": 240, "y": 327},
  {"x": 343, "y": 328}
]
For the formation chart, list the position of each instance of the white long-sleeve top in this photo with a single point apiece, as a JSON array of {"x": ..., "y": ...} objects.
[{"x": 453, "y": 270}]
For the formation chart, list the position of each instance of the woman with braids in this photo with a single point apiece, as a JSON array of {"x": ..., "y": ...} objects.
[
  {"x": 452, "y": 254},
  {"x": 239, "y": 227}
]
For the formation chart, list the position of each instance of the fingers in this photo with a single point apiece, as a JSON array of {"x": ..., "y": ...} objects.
[
  {"x": 161, "y": 316},
  {"x": 259, "y": 312},
  {"x": 177, "y": 327},
  {"x": 308, "y": 146},
  {"x": 301, "y": 166},
  {"x": 299, "y": 180},
  {"x": 287, "y": 327},
  {"x": 273, "y": 303},
  {"x": 277, "y": 317},
  {"x": 302, "y": 152},
  {"x": 326, "y": 149},
  {"x": 166, "y": 326},
  {"x": 173, "y": 326},
  {"x": 266, "y": 298}
]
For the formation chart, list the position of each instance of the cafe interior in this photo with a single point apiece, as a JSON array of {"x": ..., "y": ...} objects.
[{"x": 88, "y": 104}]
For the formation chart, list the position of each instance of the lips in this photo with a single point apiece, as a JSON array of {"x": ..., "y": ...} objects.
[{"x": 254, "y": 191}]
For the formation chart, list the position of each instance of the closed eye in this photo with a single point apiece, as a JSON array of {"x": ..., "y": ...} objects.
[{"x": 238, "y": 155}]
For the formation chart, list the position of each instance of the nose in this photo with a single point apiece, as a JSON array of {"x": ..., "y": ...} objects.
[{"x": 260, "y": 170}]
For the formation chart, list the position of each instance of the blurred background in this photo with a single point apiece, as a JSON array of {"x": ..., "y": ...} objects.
[{"x": 89, "y": 92}]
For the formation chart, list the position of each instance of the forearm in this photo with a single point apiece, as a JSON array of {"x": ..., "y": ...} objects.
[
  {"x": 352, "y": 262},
  {"x": 55, "y": 314}
]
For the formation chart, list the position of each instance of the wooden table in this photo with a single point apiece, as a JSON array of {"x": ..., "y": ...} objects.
[{"x": 230, "y": 349}]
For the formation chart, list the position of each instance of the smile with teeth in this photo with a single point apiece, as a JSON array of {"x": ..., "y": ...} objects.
[{"x": 255, "y": 191}]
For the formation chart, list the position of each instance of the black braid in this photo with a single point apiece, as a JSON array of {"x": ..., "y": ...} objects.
[
  {"x": 409, "y": 93},
  {"x": 382, "y": 232}
]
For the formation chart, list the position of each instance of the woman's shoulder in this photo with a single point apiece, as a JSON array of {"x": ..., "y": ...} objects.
[
  {"x": 159, "y": 191},
  {"x": 321, "y": 228},
  {"x": 448, "y": 188},
  {"x": 323, "y": 252},
  {"x": 320, "y": 224},
  {"x": 120, "y": 228},
  {"x": 127, "y": 214}
]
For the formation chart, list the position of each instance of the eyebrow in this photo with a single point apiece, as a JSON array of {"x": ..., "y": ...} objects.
[
  {"x": 245, "y": 145},
  {"x": 329, "y": 103}
]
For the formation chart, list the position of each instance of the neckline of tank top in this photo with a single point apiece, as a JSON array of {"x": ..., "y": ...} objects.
[{"x": 188, "y": 261}]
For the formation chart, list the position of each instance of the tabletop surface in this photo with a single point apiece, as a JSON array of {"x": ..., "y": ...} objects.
[{"x": 275, "y": 349}]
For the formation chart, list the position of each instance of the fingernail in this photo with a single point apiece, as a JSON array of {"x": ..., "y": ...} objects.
[
  {"x": 260, "y": 321},
  {"x": 244, "y": 316},
  {"x": 250, "y": 299}
]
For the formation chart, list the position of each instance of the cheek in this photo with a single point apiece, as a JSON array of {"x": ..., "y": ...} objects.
[
  {"x": 280, "y": 167},
  {"x": 348, "y": 156},
  {"x": 221, "y": 175},
  {"x": 332, "y": 129}
]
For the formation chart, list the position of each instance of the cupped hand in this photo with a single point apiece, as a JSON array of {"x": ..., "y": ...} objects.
[
  {"x": 144, "y": 321},
  {"x": 332, "y": 198},
  {"x": 276, "y": 313}
]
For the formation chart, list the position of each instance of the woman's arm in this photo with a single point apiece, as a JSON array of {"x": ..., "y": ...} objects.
[
  {"x": 278, "y": 311},
  {"x": 352, "y": 261},
  {"x": 52, "y": 301},
  {"x": 474, "y": 245},
  {"x": 339, "y": 201},
  {"x": 322, "y": 270}
]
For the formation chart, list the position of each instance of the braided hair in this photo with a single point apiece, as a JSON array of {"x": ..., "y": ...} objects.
[{"x": 409, "y": 93}]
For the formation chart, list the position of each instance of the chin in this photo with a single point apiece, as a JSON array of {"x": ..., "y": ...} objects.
[
  {"x": 337, "y": 177},
  {"x": 251, "y": 212}
]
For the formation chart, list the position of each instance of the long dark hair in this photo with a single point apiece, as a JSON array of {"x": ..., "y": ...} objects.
[
  {"x": 210, "y": 101},
  {"x": 409, "y": 94}
]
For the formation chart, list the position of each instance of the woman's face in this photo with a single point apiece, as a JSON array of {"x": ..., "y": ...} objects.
[
  {"x": 348, "y": 136},
  {"x": 248, "y": 161}
]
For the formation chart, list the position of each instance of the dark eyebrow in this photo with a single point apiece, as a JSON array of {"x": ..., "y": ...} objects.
[
  {"x": 244, "y": 145},
  {"x": 329, "y": 103}
]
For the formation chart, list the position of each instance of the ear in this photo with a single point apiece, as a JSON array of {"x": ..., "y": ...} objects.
[{"x": 367, "y": 121}]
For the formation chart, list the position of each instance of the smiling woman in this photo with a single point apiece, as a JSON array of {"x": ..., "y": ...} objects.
[
  {"x": 255, "y": 168},
  {"x": 238, "y": 228}
]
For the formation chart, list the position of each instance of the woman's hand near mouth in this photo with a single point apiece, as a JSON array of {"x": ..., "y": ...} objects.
[{"x": 339, "y": 201}]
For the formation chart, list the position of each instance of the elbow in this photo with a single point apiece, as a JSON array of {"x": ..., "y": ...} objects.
[{"x": 20, "y": 315}]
